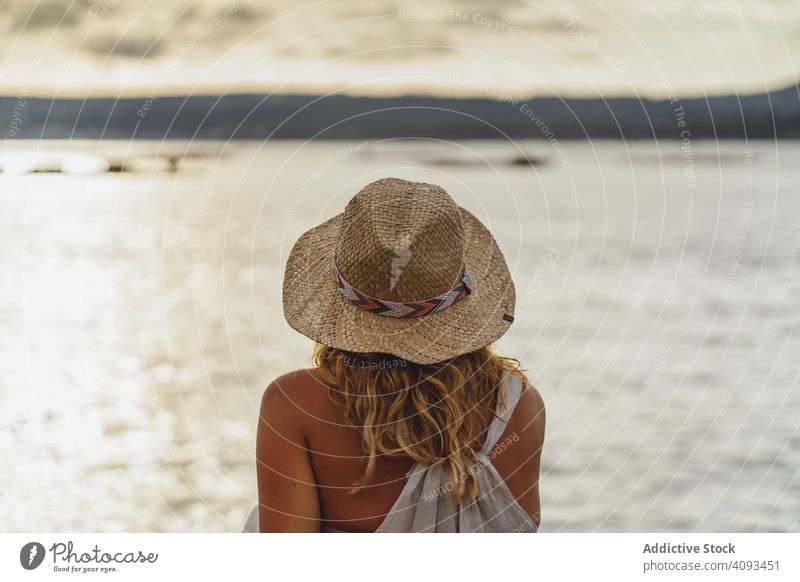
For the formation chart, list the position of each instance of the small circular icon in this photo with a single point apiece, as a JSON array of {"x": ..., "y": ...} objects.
[{"x": 31, "y": 555}]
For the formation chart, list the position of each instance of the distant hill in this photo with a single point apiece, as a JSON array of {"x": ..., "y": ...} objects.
[{"x": 762, "y": 116}]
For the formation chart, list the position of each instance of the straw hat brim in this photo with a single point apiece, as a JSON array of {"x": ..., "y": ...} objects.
[{"x": 313, "y": 305}]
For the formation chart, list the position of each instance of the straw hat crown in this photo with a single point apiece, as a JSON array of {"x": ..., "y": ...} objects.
[{"x": 402, "y": 241}]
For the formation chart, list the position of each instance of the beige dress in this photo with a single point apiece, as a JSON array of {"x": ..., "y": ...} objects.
[{"x": 426, "y": 505}]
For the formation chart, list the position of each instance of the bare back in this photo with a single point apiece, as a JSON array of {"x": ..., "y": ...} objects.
[{"x": 308, "y": 459}]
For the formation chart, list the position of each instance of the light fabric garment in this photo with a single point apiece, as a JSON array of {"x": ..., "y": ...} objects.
[{"x": 426, "y": 505}]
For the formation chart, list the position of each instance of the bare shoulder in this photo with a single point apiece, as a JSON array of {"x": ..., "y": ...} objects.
[
  {"x": 529, "y": 416},
  {"x": 520, "y": 462},
  {"x": 532, "y": 401},
  {"x": 287, "y": 490},
  {"x": 292, "y": 386},
  {"x": 287, "y": 403},
  {"x": 298, "y": 396}
]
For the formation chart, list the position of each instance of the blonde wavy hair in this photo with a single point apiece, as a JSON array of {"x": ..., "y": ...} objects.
[{"x": 433, "y": 414}]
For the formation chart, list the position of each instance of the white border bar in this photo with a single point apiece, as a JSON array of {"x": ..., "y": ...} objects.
[{"x": 406, "y": 558}]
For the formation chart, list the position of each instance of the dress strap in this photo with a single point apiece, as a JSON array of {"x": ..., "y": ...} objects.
[{"x": 513, "y": 387}]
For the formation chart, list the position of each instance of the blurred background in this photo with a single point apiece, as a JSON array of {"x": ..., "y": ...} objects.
[{"x": 637, "y": 163}]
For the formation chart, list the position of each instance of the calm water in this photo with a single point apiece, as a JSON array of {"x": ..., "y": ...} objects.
[{"x": 657, "y": 294}]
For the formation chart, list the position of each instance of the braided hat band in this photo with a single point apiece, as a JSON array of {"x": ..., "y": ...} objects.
[{"x": 402, "y": 308}]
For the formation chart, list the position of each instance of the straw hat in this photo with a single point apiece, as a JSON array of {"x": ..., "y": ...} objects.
[{"x": 402, "y": 271}]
